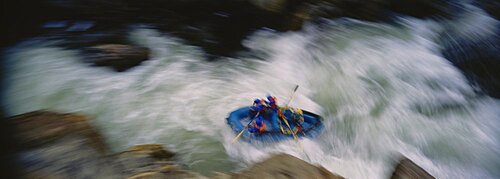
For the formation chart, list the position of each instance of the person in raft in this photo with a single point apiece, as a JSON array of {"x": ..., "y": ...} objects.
[
  {"x": 266, "y": 110},
  {"x": 259, "y": 106},
  {"x": 272, "y": 103},
  {"x": 262, "y": 105},
  {"x": 258, "y": 126}
]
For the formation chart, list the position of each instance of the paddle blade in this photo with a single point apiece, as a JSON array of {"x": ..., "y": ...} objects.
[{"x": 239, "y": 135}]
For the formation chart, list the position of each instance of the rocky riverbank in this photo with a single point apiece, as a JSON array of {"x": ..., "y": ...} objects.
[{"x": 62, "y": 145}]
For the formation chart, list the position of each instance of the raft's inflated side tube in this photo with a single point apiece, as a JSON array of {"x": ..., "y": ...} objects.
[{"x": 237, "y": 119}]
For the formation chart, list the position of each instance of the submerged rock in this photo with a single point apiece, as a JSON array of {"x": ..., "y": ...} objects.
[
  {"x": 406, "y": 169},
  {"x": 118, "y": 56},
  {"x": 283, "y": 166}
]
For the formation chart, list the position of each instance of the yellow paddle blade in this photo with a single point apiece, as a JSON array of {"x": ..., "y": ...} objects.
[{"x": 238, "y": 136}]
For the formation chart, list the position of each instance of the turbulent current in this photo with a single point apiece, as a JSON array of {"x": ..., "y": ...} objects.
[{"x": 384, "y": 91}]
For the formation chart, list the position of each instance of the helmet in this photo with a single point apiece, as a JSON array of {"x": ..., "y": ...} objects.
[
  {"x": 271, "y": 98},
  {"x": 259, "y": 121},
  {"x": 257, "y": 101}
]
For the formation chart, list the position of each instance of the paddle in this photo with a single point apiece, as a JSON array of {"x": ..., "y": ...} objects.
[
  {"x": 289, "y": 100},
  {"x": 286, "y": 121},
  {"x": 244, "y": 129},
  {"x": 288, "y": 125},
  {"x": 291, "y": 95}
]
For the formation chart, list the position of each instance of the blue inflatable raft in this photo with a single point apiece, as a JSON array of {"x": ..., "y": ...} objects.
[{"x": 311, "y": 125}]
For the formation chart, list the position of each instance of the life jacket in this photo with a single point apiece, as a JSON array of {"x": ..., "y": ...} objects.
[
  {"x": 259, "y": 125},
  {"x": 258, "y": 105},
  {"x": 261, "y": 128}
]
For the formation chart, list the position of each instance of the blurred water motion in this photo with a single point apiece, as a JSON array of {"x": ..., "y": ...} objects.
[{"x": 169, "y": 73}]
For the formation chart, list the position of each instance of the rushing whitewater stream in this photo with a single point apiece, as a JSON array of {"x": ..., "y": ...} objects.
[{"x": 384, "y": 91}]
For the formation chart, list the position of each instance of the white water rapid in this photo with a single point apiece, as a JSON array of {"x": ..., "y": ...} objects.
[{"x": 383, "y": 90}]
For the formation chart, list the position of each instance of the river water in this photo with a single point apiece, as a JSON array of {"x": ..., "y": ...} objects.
[{"x": 384, "y": 91}]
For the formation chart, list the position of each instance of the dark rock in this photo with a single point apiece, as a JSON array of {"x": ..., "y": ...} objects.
[
  {"x": 283, "y": 166},
  {"x": 406, "y": 169},
  {"x": 150, "y": 161},
  {"x": 118, "y": 56},
  {"x": 153, "y": 150},
  {"x": 167, "y": 175},
  {"x": 39, "y": 128},
  {"x": 143, "y": 158},
  {"x": 55, "y": 145}
]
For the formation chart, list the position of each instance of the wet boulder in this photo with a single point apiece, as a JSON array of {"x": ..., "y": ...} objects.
[
  {"x": 39, "y": 128},
  {"x": 150, "y": 161},
  {"x": 167, "y": 172},
  {"x": 58, "y": 145},
  {"x": 406, "y": 169},
  {"x": 283, "y": 166},
  {"x": 65, "y": 145},
  {"x": 120, "y": 57},
  {"x": 143, "y": 158}
]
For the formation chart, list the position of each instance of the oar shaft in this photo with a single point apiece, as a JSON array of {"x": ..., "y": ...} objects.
[
  {"x": 239, "y": 135},
  {"x": 244, "y": 129},
  {"x": 286, "y": 121},
  {"x": 287, "y": 124},
  {"x": 291, "y": 95}
]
